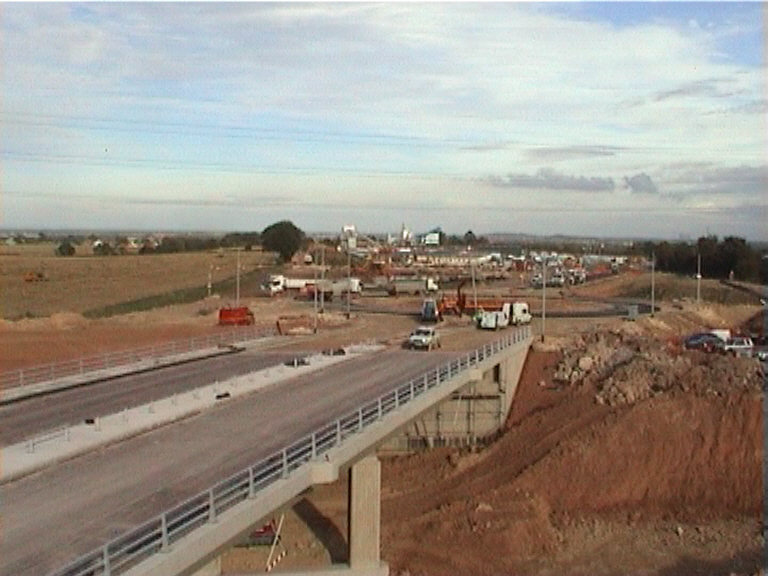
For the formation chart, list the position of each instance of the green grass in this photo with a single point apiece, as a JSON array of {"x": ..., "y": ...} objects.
[{"x": 181, "y": 296}]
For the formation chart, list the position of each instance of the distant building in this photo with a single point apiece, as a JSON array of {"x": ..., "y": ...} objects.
[{"x": 432, "y": 238}]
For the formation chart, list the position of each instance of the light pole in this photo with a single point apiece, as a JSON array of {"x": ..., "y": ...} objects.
[
  {"x": 349, "y": 276},
  {"x": 543, "y": 297},
  {"x": 316, "y": 289},
  {"x": 653, "y": 284},
  {"x": 322, "y": 280},
  {"x": 237, "y": 292},
  {"x": 698, "y": 280},
  {"x": 474, "y": 286}
]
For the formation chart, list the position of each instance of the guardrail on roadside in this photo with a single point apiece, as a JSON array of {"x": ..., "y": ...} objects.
[
  {"x": 55, "y": 371},
  {"x": 156, "y": 535}
]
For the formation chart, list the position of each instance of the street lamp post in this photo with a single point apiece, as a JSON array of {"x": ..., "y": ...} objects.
[
  {"x": 543, "y": 298},
  {"x": 349, "y": 278},
  {"x": 322, "y": 280},
  {"x": 698, "y": 279},
  {"x": 653, "y": 284},
  {"x": 237, "y": 292}
]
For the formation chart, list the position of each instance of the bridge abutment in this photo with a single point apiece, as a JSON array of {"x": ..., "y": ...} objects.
[{"x": 471, "y": 415}]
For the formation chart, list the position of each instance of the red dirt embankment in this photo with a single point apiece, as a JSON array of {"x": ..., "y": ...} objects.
[{"x": 681, "y": 455}]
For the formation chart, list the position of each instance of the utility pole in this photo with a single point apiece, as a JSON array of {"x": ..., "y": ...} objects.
[
  {"x": 474, "y": 286},
  {"x": 698, "y": 280},
  {"x": 653, "y": 284},
  {"x": 349, "y": 278},
  {"x": 237, "y": 293},
  {"x": 316, "y": 289},
  {"x": 543, "y": 298},
  {"x": 322, "y": 280}
]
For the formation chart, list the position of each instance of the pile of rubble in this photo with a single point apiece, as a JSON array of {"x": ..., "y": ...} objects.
[{"x": 625, "y": 368}]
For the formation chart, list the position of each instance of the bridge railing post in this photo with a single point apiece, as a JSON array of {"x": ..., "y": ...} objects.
[
  {"x": 164, "y": 533},
  {"x": 285, "y": 463},
  {"x": 211, "y": 507},
  {"x": 359, "y": 419},
  {"x": 105, "y": 561},
  {"x": 251, "y": 483},
  {"x": 338, "y": 432},
  {"x": 314, "y": 440}
]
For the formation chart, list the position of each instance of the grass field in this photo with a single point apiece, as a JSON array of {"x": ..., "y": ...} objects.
[{"x": 101, "y": 286}]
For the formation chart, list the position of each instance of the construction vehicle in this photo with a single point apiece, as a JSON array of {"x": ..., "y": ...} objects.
[
  {"x": 240, "y": 316},
  {"x": 412, "y": 286},
  {"x": 279, "y": 283},
  {"x": 334, "y": 288},
  {"x": 35, "y": 277},
  {"x": 515, "y": 313},
  {"x": 431, "y": 311},
  {"x": 423, "y": 338}
]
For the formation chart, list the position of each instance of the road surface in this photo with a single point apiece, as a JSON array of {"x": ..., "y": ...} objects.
[
  {"x": 51, "y": 517},
  {"x": 27, "y": 418}
]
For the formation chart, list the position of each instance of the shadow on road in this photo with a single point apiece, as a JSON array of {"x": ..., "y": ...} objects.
[{"x": 324, "y": 530}]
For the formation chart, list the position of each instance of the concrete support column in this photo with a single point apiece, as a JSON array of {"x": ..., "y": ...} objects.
[
  {"x": 213, "y": 568},
  {"x": 365, "y": 513}
]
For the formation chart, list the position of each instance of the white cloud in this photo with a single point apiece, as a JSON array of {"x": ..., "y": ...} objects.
[{"x": 432, "y": 90}]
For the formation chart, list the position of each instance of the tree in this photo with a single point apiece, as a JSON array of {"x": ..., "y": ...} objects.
[
  {"x": 284, "y": 238},
  {"x": 469, "y": 238},
  {"x": 65, "y": 249}
]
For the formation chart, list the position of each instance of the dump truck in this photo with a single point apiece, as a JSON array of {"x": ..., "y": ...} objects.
[{"x": 240, "y": 316}]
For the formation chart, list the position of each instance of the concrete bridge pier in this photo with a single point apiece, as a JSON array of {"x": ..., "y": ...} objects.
[{"x": 364, "y": 513}]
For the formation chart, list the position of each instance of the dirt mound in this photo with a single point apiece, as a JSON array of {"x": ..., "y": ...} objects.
[
  {"x": 684, "y": 456},
  {"x": 625, "y": 368}
]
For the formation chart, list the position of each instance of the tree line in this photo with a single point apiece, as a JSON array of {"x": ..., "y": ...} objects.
[{"x": 732, "y": 257}]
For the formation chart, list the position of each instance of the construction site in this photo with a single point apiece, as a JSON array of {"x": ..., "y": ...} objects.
[{"x": 623, "y": 452}]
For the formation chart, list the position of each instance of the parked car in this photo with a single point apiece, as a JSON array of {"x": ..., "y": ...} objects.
[
  {"x": 739, "y": 346},
  {"x": 704, "y": 341},
  {"x": 423, "y": 338}
]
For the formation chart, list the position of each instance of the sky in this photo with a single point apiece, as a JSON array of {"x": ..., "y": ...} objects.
[{"x": 606, "y": 119}]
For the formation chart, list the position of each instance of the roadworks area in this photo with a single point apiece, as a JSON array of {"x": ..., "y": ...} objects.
[{"x": 623, "y": 454}]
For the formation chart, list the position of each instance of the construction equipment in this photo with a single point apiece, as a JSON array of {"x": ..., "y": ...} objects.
[
  {"x": 241, "y": 316},
  {"x": 412, "y": 286},
  {"x": 35, "y": 277},
  {"x": 431, "y": 311},
  {"x": 515, "y": 313}
]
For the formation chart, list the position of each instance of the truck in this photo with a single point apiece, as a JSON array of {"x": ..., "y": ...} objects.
[
  {"x": 278, "y": 283},
  {"x": 514, "y": 313},
  {"x": 423, "y": 338},
  {"x": 412, "y": 286},
  {"x": 430, "y": 311},
  {"x": 334, "y": 288}
]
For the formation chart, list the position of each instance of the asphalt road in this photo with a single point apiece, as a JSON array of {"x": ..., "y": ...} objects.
[
  {"x": 51, "y": 517},
  {"x": 24, "y": 419}
]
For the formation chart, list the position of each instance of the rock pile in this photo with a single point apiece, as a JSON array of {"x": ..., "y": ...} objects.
[{"x": 626, "y": 368}]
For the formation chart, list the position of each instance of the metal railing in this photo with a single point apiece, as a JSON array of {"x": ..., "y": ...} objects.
[
  {"x": 158, "y": 534},
  {"x": 56, "y": 371}
]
